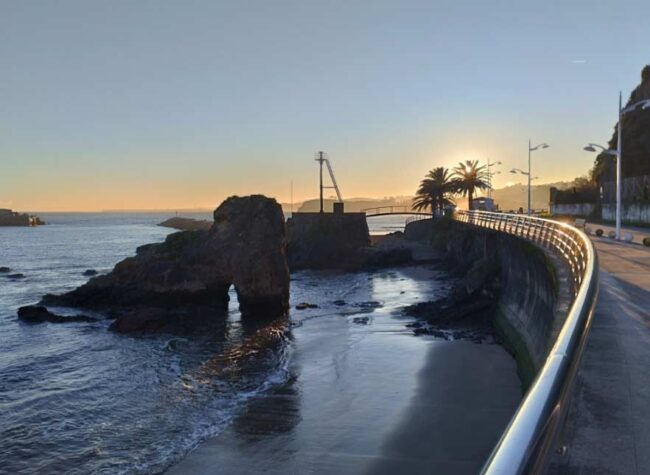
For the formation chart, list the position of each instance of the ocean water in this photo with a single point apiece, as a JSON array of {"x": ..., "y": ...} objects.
[{"x": 76, "y": 398}]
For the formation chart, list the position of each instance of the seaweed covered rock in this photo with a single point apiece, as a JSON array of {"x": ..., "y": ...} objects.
[{"x": 245, "y": 247}]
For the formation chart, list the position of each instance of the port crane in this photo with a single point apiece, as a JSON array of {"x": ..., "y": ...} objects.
[{"x": 321, "y": 157}]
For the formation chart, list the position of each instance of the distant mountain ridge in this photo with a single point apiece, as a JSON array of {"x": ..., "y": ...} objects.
[{"x": 354, "y": 204}]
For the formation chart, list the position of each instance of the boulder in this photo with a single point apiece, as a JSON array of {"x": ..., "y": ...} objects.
[
  {"x": 40, "y": 314},
  {"x": 4, "y": 270},
  {"x": 245, "y": 248},
  {"x": 89, "y": 272}
]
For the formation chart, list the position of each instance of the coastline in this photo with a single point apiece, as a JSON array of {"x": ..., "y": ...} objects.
[{"x": 371, "y": 399}]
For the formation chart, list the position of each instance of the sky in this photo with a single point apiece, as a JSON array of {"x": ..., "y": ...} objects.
[{"x": 155, "y": 104}]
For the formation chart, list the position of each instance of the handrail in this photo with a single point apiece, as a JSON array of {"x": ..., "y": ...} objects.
[
  {"x": 534, "y": 430},
  {"x": 386, "y": 210}
]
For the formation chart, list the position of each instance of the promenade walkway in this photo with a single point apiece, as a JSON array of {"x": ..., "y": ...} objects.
[{"x": 609, "y": 421}]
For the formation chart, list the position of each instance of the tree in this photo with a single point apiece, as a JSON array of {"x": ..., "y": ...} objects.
[
  {"x": 435, "y": 191},
  {"x": 469, "y": 177}
]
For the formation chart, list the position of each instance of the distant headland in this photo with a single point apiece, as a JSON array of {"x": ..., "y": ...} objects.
[{"x": 13, "y": 218}]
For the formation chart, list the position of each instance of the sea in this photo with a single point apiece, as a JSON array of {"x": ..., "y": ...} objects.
[{"x": 77, "y": 398}]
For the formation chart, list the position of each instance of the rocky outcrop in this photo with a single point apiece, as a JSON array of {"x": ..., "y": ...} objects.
[
  {"x": 40, "y": 314},
  {"x": 12, "y": 218},
  {"x": 186, "y": 224},
  {"x": 164, "y": 283}
]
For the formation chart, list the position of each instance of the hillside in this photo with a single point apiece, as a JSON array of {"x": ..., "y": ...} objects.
[
  {"x": 636, "y": 138},
  {"x": 508, "y": 198},
  {"x": 516, "y": 196},
  {"x": 354, "y": 204}
]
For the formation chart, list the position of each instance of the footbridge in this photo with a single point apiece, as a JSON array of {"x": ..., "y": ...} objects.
[{"x": 393, "y": 210}]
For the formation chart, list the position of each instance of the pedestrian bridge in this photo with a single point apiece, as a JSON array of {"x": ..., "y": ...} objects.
[{"x": 393, "y": 210}]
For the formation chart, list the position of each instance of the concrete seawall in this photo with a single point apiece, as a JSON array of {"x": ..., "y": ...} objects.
[{"x": 533, "y": 296}]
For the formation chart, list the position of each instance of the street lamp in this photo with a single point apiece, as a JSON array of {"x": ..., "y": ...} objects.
[
  {"x": 530, "y": 150},
  {"x": 644, "y": 104},
  {"x": 490, "y": 173},
  {"x": 516, "y": 171}
]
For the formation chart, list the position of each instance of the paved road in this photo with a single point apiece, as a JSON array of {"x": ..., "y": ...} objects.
[{"x": 609, "y": 421}]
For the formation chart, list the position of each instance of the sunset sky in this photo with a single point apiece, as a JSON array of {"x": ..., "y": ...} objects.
[{"x": 161, "y": 104}]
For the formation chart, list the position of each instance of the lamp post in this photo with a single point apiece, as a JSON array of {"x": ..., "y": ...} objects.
[
  {"x": 530, "y": 179},
  {"x": 490, "y": 173},
  {"x": 530, "y": 150},
  {"x": 644, "y": 104}
]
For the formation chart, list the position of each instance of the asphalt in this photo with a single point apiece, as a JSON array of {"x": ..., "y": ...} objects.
[{"x": 608, "y": 426}]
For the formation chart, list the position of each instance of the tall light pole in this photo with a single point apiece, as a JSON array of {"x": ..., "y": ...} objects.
[
  {"x": 618, "y": 153},
  {"x": 530, "y": 179},
  {"x": 530, "y": 150},
  {"x": 490, "y": 173}
]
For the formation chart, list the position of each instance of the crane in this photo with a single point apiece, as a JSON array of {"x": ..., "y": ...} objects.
[{"x": 321, "y": 157}]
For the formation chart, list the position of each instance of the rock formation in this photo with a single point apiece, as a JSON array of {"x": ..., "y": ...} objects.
[
  {"x": 186, "y": 224},
  {"x": 40, "y": 314},
  {"x": 163, "y": 283},
  {"x": 12, "y": 218}
]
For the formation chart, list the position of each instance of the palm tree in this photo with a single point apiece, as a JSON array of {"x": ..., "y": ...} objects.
[
  {"x": 435, "y": 191},
  {"x": 469, "y": 177}
]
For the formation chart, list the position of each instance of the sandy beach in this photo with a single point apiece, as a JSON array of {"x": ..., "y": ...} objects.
[{"x": 367, "y": 396}]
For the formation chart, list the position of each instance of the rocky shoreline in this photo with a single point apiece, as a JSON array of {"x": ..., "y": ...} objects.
[{"x": 182, "y": 283}]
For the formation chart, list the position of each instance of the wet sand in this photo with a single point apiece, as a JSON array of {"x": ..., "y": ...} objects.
[{"x": 366, "y": 398}]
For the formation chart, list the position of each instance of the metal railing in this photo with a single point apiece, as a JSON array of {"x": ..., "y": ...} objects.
[
  {"x": 418, "y": 217},
  {"x": 387, "y": 210},
  {"x": 533, "y": 432}
]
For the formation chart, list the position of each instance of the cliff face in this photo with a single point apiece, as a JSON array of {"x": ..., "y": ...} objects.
[
  {"x": 165, "y": 282},
  {"x": 636, "y": 138}
]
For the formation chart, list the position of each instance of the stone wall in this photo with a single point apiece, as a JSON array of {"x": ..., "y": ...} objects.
[
  {"x": 630, "y": 213},
  {"x": 420, "y": 230},
  {"x": 574, "y": 209},
  {"x": 326, "y": 240},
  {"x": 533, "y": 291}
]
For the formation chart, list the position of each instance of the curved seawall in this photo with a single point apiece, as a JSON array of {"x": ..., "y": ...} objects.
[
  {"x": 531, "y": 304},
  {"x": 547, "y": 329}
]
